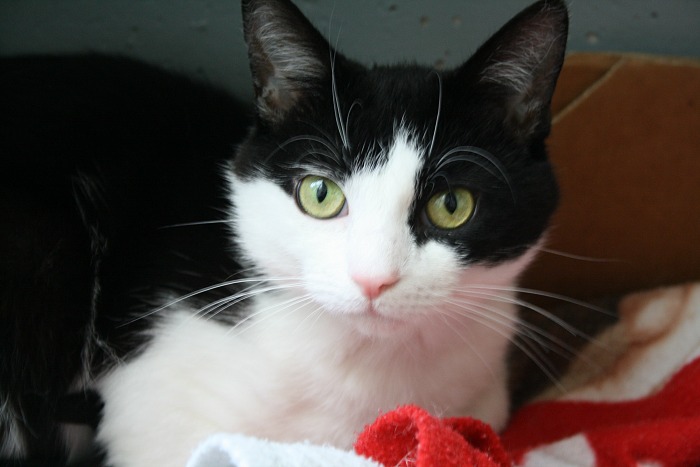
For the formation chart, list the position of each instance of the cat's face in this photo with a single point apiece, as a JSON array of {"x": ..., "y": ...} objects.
[{"x": 386, "y": 193}]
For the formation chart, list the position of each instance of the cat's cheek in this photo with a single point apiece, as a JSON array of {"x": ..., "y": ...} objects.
[
  {"x": 266, "y": 224},
  {"x": 498, "y": 275}
]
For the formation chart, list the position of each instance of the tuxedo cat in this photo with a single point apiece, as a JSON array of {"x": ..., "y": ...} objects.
[{"x": 191, "y": 266}]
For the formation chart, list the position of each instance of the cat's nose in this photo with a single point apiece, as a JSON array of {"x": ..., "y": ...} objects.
[{"x": 373, "y": 286}]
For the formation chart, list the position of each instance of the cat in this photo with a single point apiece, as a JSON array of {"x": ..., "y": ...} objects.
[{"x": 176, "y": 263}]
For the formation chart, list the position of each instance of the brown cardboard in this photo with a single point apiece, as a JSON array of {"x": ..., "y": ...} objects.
[{"x": 626, "y": 146}]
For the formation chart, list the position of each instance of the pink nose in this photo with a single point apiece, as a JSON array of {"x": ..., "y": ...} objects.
[{"x": 373, "y": 286}]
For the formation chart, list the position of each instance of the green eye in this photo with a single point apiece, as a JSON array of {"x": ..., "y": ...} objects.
[
  {"x": 320, "y": 197},
  {"x": 450, "y": 209}
]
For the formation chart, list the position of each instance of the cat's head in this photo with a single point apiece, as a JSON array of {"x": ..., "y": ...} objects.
[{"x": 384, "y": 191}]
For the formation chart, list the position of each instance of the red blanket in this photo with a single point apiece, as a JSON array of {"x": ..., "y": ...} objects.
[{"x": 640, "y": 405}]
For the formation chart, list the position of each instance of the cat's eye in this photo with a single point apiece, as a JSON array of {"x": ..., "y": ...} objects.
[
  {"x": 450, "y": 209},
  {"x": 320, "y": 197}
]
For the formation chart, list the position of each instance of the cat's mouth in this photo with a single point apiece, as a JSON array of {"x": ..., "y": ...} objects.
[{"x": 372, "y": 322}]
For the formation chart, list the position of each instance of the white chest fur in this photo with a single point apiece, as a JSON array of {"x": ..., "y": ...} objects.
[{"x": 293, "y": 379}]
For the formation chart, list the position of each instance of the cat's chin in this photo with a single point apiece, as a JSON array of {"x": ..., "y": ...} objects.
[{"x": 372, "y": 323}]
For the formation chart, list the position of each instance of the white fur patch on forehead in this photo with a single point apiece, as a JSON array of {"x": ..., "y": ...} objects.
[
  {"x": 405, "y": 158},
  {"x": 379, "y": 201},
  {"x": 393, "y": 180}
]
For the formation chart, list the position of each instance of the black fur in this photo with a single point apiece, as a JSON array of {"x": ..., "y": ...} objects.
[
  {"x": 100, "y": 156},
  {"x": 103, "y": 158},
  {"x": 516, "y": 196}
]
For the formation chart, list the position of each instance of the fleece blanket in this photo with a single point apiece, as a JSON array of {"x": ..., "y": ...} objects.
[{"x": 632, "y": 398}]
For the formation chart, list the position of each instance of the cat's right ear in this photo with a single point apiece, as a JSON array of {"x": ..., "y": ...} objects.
[
  {"x": 288, "y": 56},
  {"x": 520, "y": 65}
]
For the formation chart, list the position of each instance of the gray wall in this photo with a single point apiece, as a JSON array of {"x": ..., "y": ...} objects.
[{"x": 204, "y": 36}]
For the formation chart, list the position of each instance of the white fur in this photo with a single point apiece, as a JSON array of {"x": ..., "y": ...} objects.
[{"x": 319, "y": 360}]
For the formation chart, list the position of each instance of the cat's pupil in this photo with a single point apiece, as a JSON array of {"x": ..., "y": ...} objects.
[
  {"x": 321, "y": 190},
  {"x": 450, "y": 202}
]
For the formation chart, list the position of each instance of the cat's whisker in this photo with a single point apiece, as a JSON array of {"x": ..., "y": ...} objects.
[
  {"x": 332, "y": 150},
  {"x": 542, "y": 337},
  {"x": 211, "y": 310},
  {"x": 347, "y": 117},
  {"x": 487, "y": 320},
  {"x": 269, "y": 312},
  {"x": 515, "y": 301},
  {"x": 342, "y": 130},
  {"x": 182, "y": 298},
  {"x": 493, "y": 314},
  {"x": 281, "y": 304},
  {"x": 564, "y": 254},
  {"x": 541, "y": 293},
  {"x": 437, "y": 117},
  {"x": 316, "y": 312},
  {"x": 248, "y": 318},
  {"x": 466, "y": 154},
  {"x": 445, "y": 315},
  {"x": 532, "y": 332},
  {"x": 327, "y": 152},
  {"x": 191, "y": 224},
  {"x": 482, "y": 319},
  {"x": 537, "y": 334}
]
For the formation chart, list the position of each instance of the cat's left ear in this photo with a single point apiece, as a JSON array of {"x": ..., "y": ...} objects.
[
  {"x": 288, "y": 56},
  {"x": 521, "y": 63}
]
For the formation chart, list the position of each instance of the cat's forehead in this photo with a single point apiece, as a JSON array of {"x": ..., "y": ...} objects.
[
  {"x": 362, "y": 116},
  {"x": 358, "y": 117},
  {"x": 367, "y": 109},
  {"x": 385, "y": 102},
  {"x": 385, "y": 192}
]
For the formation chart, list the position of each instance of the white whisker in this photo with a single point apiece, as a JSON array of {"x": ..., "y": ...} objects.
[
  {"x": 551, "y": 295},
  {"x": 199, "y": 292},
  {"x": 485, "y": 319},
  {"x": 465, "y": 153},
  {"x": 515, "y": 301},
  {"x": 573, "y": 352},
  {"x": 190, "y": 224},
  {"x": 317, "y": 312},
  {"x": 269, "y": 312},
  {"x": 437, "y": 117},
  {"x": 342, "y": 131},
  {"x": 211, "y": 310},
  {"x": 347, "y": 117},
  {"x": 444, "y": 315},
  {"x": 533, "y": 332},
  {"x": 578, "y": 257}
]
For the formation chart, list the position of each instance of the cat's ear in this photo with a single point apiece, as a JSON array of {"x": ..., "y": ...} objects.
[
  {"x": 288, "y": 56},
  {"x": 521, "y": 63}
]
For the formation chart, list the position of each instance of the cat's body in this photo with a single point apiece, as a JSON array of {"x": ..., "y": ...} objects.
[
  {"x": 101, "y": 156},
  {"x": 364, "y": 243}
]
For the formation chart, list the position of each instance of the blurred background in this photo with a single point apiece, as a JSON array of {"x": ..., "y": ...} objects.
[{"x": 204, "y": 37}]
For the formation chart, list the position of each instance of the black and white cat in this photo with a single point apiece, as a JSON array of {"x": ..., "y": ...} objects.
[{"x": 355, "y": 250}]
